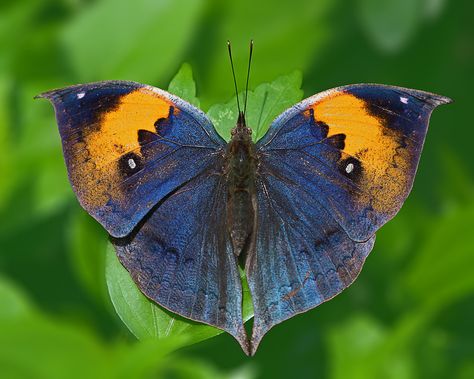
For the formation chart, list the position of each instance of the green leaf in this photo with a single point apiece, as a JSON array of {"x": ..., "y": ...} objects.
[
  {"x": 183, "y": 85},
  {"x": 114, "y": 40},
  {"x": 143, "y": 317},
  {"x": 263, "y": 106}
]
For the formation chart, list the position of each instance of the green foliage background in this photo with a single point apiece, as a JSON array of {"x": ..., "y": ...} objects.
[{"x": 409, "y": 315}]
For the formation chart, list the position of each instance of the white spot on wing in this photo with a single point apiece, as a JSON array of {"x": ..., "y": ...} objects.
[
  {"x": 80, "y": 95},
  {"x": 131, "y": 163},
  {"x": 404, "y": 100},
  {"x": 349, "y": 168}
]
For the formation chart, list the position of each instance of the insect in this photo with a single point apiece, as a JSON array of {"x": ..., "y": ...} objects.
[{"x": 298, "y": 210}]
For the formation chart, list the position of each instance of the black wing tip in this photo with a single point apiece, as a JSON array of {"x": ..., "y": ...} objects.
[
  {"x": 48, "y": 94},
  {"x": 425, "y": 96},
  {"x": 440, "y": 100},
  {"x": 429, "y": 97},
  {"x": 45, "y": 95},
  {"x": 56, "y": 93}
]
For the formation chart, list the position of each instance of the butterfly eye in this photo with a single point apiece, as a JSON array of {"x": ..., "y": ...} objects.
[{"x": 249, "y": 131}]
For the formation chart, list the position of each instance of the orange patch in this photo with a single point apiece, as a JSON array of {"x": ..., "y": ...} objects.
[
  {"x": 368, "y": 140},
  {"x": 118, "y": 132},
  {"x": 96, "y": 172}
]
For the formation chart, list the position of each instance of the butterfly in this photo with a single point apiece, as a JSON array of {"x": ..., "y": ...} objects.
[{"x": 298, "y": 209}]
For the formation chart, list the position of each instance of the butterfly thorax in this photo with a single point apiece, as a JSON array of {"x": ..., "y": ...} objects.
[{"x": 241, "y": 200}]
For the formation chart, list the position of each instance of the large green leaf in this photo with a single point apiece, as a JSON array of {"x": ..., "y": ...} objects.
[{"x": 263, "y": 105}]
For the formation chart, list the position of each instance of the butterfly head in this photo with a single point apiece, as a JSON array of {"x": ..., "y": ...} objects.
[{"x": 241, "y": 131}]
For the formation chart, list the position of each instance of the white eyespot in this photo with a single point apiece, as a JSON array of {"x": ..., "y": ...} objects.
[
  {"x": 80, "y": 95},
  {"x": 349, "y": 168},
  {"x": 131, "y": 163},
  {"x": 404, "y": 100}
]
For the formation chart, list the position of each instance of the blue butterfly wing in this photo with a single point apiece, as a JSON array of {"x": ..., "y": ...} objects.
[
  {"x": 332, "y": 170},
  {"x": 180, "y": 255},
  {"x": 128, "y": 145},
  {"x": 302, "y": 256}
]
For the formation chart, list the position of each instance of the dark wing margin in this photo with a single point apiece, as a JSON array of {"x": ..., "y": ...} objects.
[
  {"x": 332, "y": 170},
  {"x": 128, "y": 145},
  {"x": 181, "y": 257}
]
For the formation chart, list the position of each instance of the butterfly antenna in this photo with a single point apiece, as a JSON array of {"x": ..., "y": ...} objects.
[
  {"x": 248, "y": 76},
  {"x": 233, "y": 74}
]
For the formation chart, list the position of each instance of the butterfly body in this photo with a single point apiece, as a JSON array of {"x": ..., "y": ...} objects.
[
  {"x": 300, "y": 207},
  {"x": 241, "y": 202}
]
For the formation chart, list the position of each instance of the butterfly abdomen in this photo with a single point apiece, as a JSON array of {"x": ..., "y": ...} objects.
[{"x": 241, "y": 199}]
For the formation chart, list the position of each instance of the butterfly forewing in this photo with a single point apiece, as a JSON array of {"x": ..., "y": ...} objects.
[
  {"x": 128, "y": 145},
  {"x": 355, "y": 148}
]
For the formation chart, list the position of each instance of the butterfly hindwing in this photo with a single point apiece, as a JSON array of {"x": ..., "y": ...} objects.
[
  {"x": 181, "y": 257},
  {"x": 302, "y": 256},
  {"x": 123, "y": 141},
  {"x": 332, "y": 170}
]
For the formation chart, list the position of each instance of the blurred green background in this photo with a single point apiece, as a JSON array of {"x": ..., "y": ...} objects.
[{"x": 410, "y": 314}]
